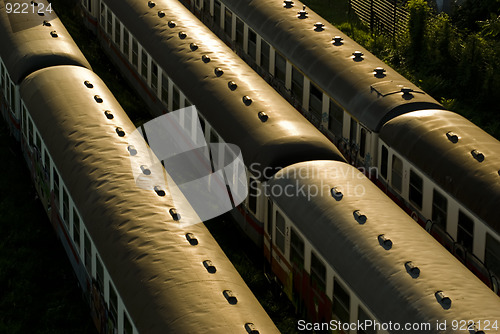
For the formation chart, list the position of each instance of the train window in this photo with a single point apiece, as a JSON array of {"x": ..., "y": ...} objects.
[
  {"x": 363, "y": 317},
  {"x": 144, "y": 62},
  {"x": 492, "y": 255},
  {"x": 296, "y": 249},
  {"x": 65, "y": 206},
  {"x": 117, "y": 32},
  {"x": 335, "y": 119},
  {"x": 127, "y": 326},
  {"x": 217, "y": 10},
  {"x": 1, "y": 74},
  {"x": 154, "y": 77},
  {"x": 12, "y": 97},
  {"x": 202, "y": 124},
  {"x": 416, "y": 189},
  {"x": 76, "y": 229},
  {"x": 164, "y": 89},
  {"x": 318, "y": 272},
  {"x": 109, "y": 26},
  {"x": 240, "y": 27},
  {"x": 341, "y": 302},
  {"x": 38, "y": 141},
  {"x": 315, "y": 101},
  {"x": 465, "y": 233},
  {"x": 252, "y": 194},
  {"x": 206, "y": 6},
  {"x": 176, "y": 99},
  {"x": 362, "y": 143},
  {"x": 113, "y": 301},
  {"x": 280, "y": 232},
  {"x": 23, "y": 119},
  {"x": 48, "y": 165},
  {"x": 228, "y": 20},
  {"x": 264, "y": 55},
  {"x": 280, "y": 68},
  {"x": 45, "y": 158},
  {"x": 297, "y": 85},
  {"x": 87, "y": 251},
  {"x": 439, "y": 209},
  {"x": 353, "y": 131},
  {"x": 89, "y": 5},
  {"x": 99, "y": 273},
  {"x": 384, "y": 160},
  {"x": 56, "y": 187},
  {"x": 252, "y": 44},
  {"x": 126, "y": 45},
  {"x": 135, "y": 53},
  {"x": 103, "y": 15},
  {"x": 30, "y": 132},
  {"x": 397, "y": 173},
  {"x": 269, "y": 216}
]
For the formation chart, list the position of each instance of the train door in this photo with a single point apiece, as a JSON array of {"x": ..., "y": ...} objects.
[{"x": 297, "y": 261}]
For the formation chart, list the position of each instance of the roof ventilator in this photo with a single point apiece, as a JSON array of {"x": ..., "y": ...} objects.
[
  {"x": 218, "y": 71},
  {"x": 477, "y": 155},
  {"x": 97, "y": 98},
  {"x": 251, "y": 328},
  {"x": 337, "y": 40},
  {"x": 302, "y": 14},
  {"x": 336, "y": 193},
  {"x": 231, "y": 298},
  {"x": 384, "y": 242},
  {"x": 108, "y": 114},
  {"x": 54, "y": 34},
  {"x": 131, "y": 149},
  {"x": 182, "y": 35},
  {"x": 191, "y": 239},
  {"x": 209, "y": 266},
  {"x": 47, "y": 23},
  {"x": 159, "y": 191},
  {"x": 318, "y": 26},
  {"x": 88, "y": 84},
  {"x": 247, "y": 100},
  {"x": 379, "y": 72},
  {"x": 287, "y": 3},
  {"x": 193, "y": 46},
  {"x": 442, "y": 299},
  {"x": 357, "y": 56},
  {"x": 263, "y": 116},
  {"x": 232, "y": 85},
  {"x": 151, "y": 4},
  {"x": 171, "y": 24},
  {"x": 205, "y": 58},
  {"x": 406, "y": 90},
  {"x": 120, "y": 132},
  {"x": 161, "y": 13},
  {"x": 412, "y": 269},
  {"x": 452, "y": 137},
  {"x": 360, "y": 218},
  {"x": 145, "y": 170},
  {"x": 176, "y": 216}
]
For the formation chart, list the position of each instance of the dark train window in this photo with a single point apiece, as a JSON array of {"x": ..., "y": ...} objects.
[
  {"x": 87, "y": 251},
  {"x": 353, "y": 131},
  {"x": 465, "y": 233},
  {"x": 416, "y": 189},
  {"x": 280, "y": 68},
  {"x": 240, "y": 27},
  {"x": 252, "y": 44},
  {"x": 318, "y": 272},
  {"x": 492, "y": 255},
  {"x": 126, "y": 44},
  {"x": 202, "y": 124},
  {"x": 252, "y": 194},
  {"x": 113, "y": 301},
  {"x": 12, "y": 97},
  {"x": 30, "y": 132},
  {"x": 315, "y": 101},
  {"x": 280, "y": 232},
  {"x": 144, "y": 61},
  {"x": 228, "y": 23},
  {"x": 164, "y": 89},
  {"x": 45, "y": 158},
  {"x": 217, "y": 10},
  {"x": 135, "y": 53},
  {"x": 23, "y": 119},
  {"x": 38, "y": 141},
  {"x": 362, "y": 143},
  {"x": 103, "y": 15},
  {"x": 65, "y": 207},
  {"x": 99, "y": 273},
  {"x": 296, "y": 249},
  {"x": 154, "y": 77},
  {"x": 335, "y": 119},
  {"x": 297, "y": 85},
  {"x": 397, "y": 173},
  {"x": 384, "y": 160},
  {"x": 117, "y": 32},
  {"x": 76, "y": 230},
  {"x": 127, "y": 326},
  {"x": 364, "y": 318},
  {"x": 56, "y": 186},
  {"x": 176, "y": 99},
  {"x": 109, "y": 26},
  {"x": 341, "y": 302},
  {"x": 439, "y": 209},
  {"x": 269, "y": 217},
  {"x": 264, "y": 55},
  {"x": 89, "y": 5}
]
